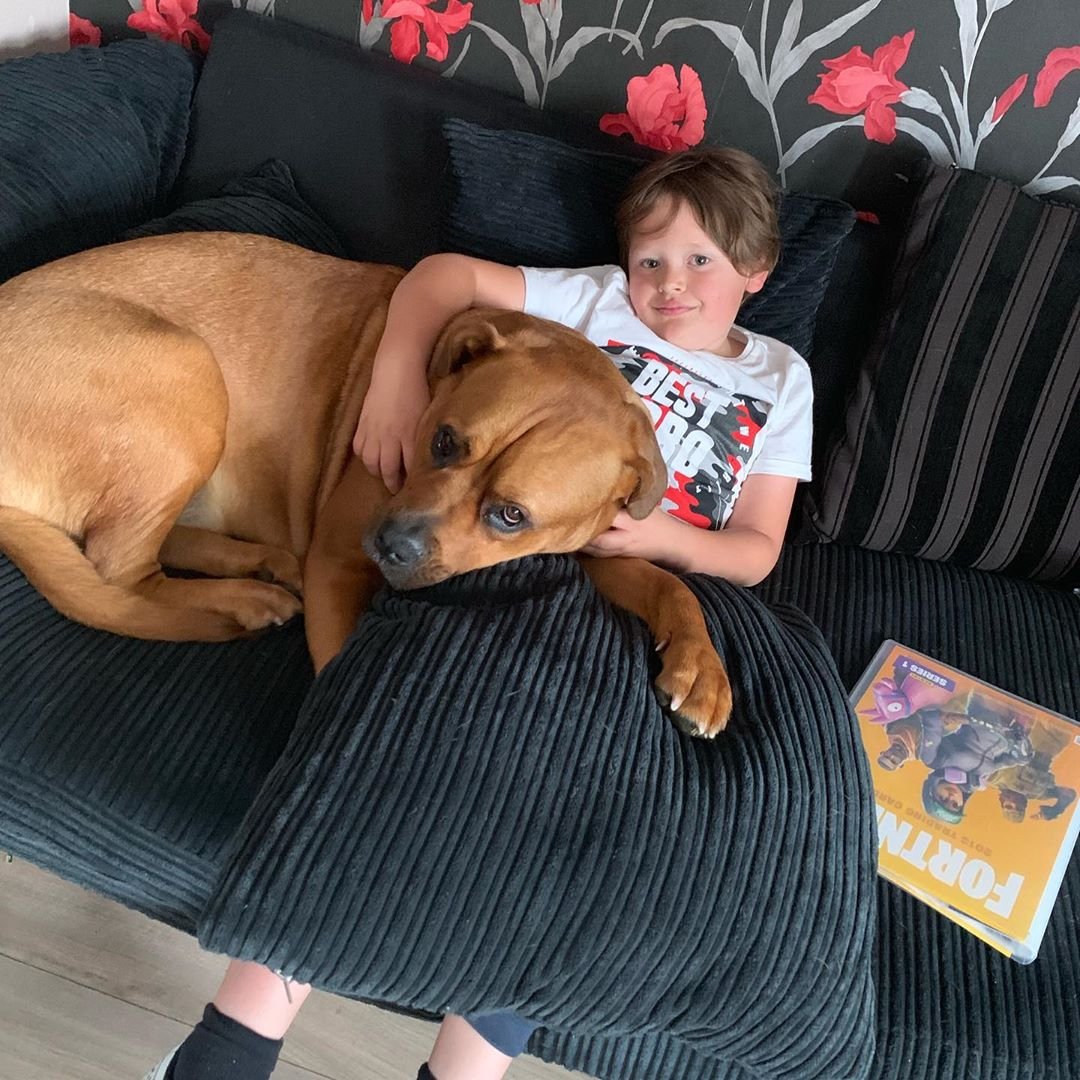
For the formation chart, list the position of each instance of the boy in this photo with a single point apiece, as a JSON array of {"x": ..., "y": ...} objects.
[{"x": 732, "y": 411}]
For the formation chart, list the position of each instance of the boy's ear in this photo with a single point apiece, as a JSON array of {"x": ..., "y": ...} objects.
[{"x": 756, "y": 282}]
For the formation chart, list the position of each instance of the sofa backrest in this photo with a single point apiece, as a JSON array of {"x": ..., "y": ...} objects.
[{"x": 360, "y": 131}]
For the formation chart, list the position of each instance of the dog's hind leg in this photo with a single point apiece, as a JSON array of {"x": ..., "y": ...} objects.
[
  {"x": 188, "y": 547},
  {"x": 126, "y": 554}
]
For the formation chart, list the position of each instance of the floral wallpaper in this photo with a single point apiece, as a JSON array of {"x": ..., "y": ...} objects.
[{"x": 837, "y": 96}]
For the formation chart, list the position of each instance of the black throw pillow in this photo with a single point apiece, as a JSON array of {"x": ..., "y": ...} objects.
[
  {"x": 532, "y": 200},
  {"x": 90, "y": 143},
  {"x": 264, "y": 201},
  {"x": 483, "y": 807}
]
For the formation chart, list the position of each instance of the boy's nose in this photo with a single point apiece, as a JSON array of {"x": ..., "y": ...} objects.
[{"x": 671, "y": 285}]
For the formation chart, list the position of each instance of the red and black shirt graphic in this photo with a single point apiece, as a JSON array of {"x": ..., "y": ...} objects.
[{"x": 706, "y": 434}]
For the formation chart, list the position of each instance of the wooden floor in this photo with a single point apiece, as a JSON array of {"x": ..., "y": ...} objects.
[{"x": 92, "y": 991}]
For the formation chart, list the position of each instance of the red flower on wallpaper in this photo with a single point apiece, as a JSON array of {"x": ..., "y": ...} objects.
[
  {"x": 1008, "y": 98},
  {"x": 856, "y": 83},
  {"x": 1058, "y": 64},
  {"x": 412, "y": 16},
  {"x": 662, "y": 111},
  {"x": 82, "y": 31},
  {"x": 172, "y": 20}
]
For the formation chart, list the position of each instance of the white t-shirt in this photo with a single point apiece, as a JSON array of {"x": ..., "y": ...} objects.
[{"x": 717, "y": 419}]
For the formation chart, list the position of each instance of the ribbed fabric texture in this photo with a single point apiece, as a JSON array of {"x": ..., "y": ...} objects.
[
  {"x": 126, "y": 765},
  {"x": 264, "y": 201},
  {"x": 483, "y": 807},
  {"x": 556, "y": 207},
  {"x": 962, "y": 442},
  {"x": 950, "y": 1007},
  {"x": 91, "y": 143}
]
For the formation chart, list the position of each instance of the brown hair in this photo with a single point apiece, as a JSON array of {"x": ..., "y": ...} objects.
[{"x": 731, "y": 194}]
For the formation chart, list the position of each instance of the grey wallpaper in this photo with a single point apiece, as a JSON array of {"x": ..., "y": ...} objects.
[{"x": 836, "y": 96}]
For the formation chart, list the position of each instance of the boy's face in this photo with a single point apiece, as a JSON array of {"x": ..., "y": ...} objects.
[{"x": 682, "y": 286}]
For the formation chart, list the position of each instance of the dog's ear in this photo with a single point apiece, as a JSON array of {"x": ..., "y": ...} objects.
[
  {"x": 648, "y": 464},
  {"x": 467, "y": 335}
]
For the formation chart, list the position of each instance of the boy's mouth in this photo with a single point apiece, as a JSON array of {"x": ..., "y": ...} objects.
[{"x": 672, "y": 309}]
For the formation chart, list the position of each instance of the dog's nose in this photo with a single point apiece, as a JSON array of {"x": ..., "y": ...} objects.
[{"x": 401, "y": 542}]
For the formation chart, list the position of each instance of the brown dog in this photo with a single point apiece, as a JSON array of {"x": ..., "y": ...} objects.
[{"x": 190, "y": 400}]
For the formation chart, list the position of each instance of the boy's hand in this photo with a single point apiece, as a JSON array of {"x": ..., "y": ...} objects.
[
  {"x": 386, "y": 431},
  {"x": 649, "y": 538}
]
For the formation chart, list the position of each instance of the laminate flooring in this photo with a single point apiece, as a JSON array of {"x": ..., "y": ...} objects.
[{"x": 90, "y": 990}]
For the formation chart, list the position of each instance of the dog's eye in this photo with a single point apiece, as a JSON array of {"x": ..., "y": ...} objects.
[
  {"x": 506, "y": 517},
  {"x": 445, "y": 446}
]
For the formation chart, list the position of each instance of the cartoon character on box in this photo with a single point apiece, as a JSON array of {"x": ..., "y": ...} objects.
[
  {"x": 962, "y": 746},
  {"x": 901, "y": 696},
  {"x": 1018, "y": 785}
]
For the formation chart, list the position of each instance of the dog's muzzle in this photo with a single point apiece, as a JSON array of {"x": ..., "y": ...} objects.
[{"x": 400, "y": 545}]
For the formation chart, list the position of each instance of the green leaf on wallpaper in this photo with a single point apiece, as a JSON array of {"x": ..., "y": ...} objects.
[
  {"x": 788, "y": 33},
  {"x": 535, "y": 35},
  {"x": 968, "y": 13},
  {"x": 1046, "y": 184},
  {"x": 809, "y": 139},
  {"x": 795, "y": 60},
  {"x": 582, "y": 38},
  {"x": 518, "y": 61},
  {"x": 731, "y": 36}
]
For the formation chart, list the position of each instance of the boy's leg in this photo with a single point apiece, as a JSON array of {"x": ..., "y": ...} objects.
[
  {"x": 256, "y": 997},
  {"x": 480, "y": 1047},
  {"x": 240, "y": 1034}
]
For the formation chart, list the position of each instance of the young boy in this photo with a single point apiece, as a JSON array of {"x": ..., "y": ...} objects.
[{"x": 732, "y": 412}]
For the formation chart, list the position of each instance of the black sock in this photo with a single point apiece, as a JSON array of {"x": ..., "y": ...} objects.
[
  {"x": 425, "y": 1073},
  {"x": 220, "y": 1048}
]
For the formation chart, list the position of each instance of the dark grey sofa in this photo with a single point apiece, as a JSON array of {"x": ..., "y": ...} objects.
[{"x": 101, "y": 780}]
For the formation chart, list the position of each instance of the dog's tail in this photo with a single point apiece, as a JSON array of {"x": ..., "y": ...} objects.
[{"x": 57, "y": 568}]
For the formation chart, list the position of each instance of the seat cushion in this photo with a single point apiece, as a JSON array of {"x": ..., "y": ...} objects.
[
  {"x": 949, "y": 1006},
  {"x": 90, "y": 144},
  {"x": 125, "y": 765},
  {"x": 484, "y": 807}
]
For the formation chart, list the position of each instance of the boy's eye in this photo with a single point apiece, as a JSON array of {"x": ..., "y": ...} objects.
[
  {"x": 701, "y": 260},
  {"x": 649, "y": 264}
]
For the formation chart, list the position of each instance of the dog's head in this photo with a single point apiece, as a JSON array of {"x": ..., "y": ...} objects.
[{"x": 532, "y": 443}]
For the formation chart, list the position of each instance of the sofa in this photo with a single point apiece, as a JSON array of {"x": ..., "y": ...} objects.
[{"x": 943, "y": 513}]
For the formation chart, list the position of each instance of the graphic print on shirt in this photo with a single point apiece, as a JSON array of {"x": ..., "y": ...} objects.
[{"x": 706, "y": 434}]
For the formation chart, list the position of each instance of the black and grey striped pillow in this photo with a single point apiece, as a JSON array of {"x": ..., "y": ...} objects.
[{"x": 962, "y": 438}]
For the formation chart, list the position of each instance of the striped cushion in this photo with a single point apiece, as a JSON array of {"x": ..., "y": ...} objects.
[{"x": 962, "y": 440}]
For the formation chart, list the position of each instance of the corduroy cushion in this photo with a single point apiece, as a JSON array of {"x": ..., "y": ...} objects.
[
  {"x": 962, "y": 442},
  {"x": 126, "y": 765},
  {"x": 264, "y": 201},
  {"x": 483, "y": 807},
  {"x": 950, "y": 1007},
  {"x": 90, "y": 144},
  {"x": 556, "y": 203}
]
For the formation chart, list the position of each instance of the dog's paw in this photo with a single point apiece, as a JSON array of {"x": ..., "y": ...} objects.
[
  {"x": 255, "y": 605},
  {"x": 693, "y": 687}
]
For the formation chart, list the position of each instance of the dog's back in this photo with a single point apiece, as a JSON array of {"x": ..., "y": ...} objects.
[{"x": 218, "y": 370}]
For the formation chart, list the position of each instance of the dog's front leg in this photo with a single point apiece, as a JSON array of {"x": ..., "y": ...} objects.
[
  {"x": 692, "y": 683},
  {"x": 339, "y": 579}
]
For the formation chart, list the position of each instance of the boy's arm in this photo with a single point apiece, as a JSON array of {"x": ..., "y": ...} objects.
[
  {"x": 436, "y": 289},
  {"x": 743, "y": 552}
]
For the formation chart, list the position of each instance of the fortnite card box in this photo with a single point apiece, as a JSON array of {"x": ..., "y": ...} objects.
[{"x": 976, "y": 793}]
